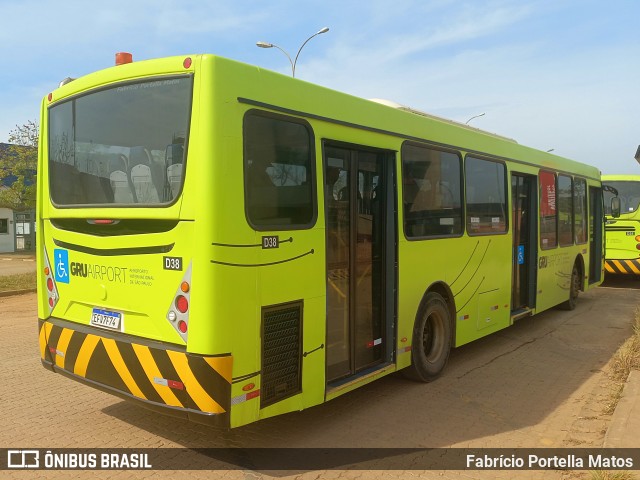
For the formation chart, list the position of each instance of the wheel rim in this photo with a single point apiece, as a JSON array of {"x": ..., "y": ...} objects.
[{"x": 433, "y": 337}]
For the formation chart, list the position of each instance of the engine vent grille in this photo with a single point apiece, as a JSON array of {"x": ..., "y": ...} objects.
[{"x": 281, "y": 352}]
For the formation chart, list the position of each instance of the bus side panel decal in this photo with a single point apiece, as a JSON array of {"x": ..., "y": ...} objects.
[{"x": 177, "y": 379}]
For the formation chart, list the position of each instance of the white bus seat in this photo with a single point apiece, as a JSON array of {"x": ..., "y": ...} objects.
[
  {"x": 174, "y": 157},
  {"x": 174, "y": 177},
  {"x": 119, "y": 179},
  {"x": 141, "y": 175}
]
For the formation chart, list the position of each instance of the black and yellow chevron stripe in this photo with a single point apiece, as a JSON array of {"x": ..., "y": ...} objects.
[
  {"x": 193, "y": 386},
  {"x": 631, "y": 267}
]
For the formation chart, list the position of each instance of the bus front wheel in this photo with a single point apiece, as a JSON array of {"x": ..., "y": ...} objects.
[{"x": 431, "y": 343}]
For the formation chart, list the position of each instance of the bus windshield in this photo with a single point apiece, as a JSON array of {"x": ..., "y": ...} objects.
[
  {"x": 121, "y": 146},
  {"x": 629, "y": 193}
]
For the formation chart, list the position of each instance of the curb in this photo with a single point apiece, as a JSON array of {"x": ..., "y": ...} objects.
[
  {"x": 625, "y": 422},
  {"x": 11, "y": 293}
]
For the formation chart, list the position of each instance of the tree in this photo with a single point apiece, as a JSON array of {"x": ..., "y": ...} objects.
[{"x": 18, "y": 163}]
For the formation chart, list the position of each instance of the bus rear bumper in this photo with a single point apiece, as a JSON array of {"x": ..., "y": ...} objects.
[
  {"x": 157, "y": 376},
  {"x": 629, "y": 267}
]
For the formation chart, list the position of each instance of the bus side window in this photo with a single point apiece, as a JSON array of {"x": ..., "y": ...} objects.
[
  {"x": 486, "y": 196},
  {"x": 278, "y": 169},
  {"x": 431, "y": 192},
  {"x": 548, "y": 210}
]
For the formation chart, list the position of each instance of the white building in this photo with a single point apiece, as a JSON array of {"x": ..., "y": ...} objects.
[
  {"x": 7, "y": 231},
  {"x": 17, "y": 227}
]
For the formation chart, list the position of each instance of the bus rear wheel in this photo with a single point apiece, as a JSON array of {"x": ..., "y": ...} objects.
[
  {"x": 574, "y": 290},
  {"x": 431, "y": 342}
]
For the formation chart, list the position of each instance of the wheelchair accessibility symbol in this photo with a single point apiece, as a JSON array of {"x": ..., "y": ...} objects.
[
  {"x": 61, "y": 267},
  {"x": 520, "y": 254}
]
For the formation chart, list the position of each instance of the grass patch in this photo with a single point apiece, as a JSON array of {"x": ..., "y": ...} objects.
[
  {"x": 627, "y": 357},
  {"x": 20, "y": 281}
]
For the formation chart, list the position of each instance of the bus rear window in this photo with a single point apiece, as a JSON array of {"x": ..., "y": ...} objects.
[
  {"x": 123, "y": 145},
  {"x": 628, "y": 192}
]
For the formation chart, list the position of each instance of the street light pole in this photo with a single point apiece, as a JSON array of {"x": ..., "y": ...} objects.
[{"x": 293, "y": 63}]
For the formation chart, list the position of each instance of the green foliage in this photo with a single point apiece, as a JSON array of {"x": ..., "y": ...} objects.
[
  {"x": 19, "y": 162},
  {"x": 20, "y": 281}
]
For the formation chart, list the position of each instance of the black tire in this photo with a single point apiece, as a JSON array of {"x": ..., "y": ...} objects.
[
  {"x": 574, "y": 290},
  {"x": 431, "y": 342}
]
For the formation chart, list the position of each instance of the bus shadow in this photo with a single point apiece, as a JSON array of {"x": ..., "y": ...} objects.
[
  {"x": 621, "y": 281},
  {"x": 499, "y": 391}
]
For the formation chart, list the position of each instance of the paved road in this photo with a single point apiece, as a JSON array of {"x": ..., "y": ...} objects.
[{"x": 540, "y": 383}]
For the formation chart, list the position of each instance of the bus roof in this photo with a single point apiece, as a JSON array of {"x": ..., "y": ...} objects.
[
  {"x": 271, "y": 90},
  {"x": 621, "y": 177}
]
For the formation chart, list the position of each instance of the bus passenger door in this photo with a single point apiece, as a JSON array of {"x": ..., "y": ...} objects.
[
  {"x": 360, "y": 236},
  {"x": 524, "y": 230},
  {"x": 596, "y": 234}
]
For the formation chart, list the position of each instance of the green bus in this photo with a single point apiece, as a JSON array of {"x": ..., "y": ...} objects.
[
  {"x": 622, "y": 232},
  {"x": 226, "y": 244}
]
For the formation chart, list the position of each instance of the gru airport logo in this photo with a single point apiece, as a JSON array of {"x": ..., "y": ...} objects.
[{"x": 23, "y": 459}]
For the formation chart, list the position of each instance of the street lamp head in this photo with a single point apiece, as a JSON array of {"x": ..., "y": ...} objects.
[
  {"x": 292, "y": 62},
  {"x": 475, "y": 116}
]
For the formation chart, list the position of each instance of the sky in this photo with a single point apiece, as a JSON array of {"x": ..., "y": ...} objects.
[{"x": 551, "y": 74}]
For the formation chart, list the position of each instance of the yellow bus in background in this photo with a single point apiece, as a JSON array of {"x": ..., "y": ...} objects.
[
  {"x": 224, "y": 243},
  {"x": 623, "y": 232}
]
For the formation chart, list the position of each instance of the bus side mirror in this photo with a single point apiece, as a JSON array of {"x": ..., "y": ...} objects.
[{"x": 615, "y": 207}]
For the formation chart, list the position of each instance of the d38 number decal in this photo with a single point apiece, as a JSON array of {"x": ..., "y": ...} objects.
[
  {"x": 271, "y": 241},
  {"x": 172, "y": 263}
]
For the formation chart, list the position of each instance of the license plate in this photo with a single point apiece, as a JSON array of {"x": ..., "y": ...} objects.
[{"x": 106, "y": 319}]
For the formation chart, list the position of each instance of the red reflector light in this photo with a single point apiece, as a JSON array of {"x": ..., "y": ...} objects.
[
  {"x": 187, "y": 62},
  {"x": 251, "y": 395},
  {"x": 638, "y": 246},
  {"x": 102, "y": 221},
  {"x": 182, "y": 304},
  {"x": 50, "y": 97},
  {"x": 51, "y": 302},
  {"x": 123, "y": 57},
  {"x": 182, "y": 326},
  {"x": 176, "y": 385},
  {"x": 248, "y": 387},
  {"x": 50, "y": 284}
]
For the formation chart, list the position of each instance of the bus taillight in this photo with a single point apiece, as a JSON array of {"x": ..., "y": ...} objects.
[
  {"x": 52, "y": 290},
  {"x": 178, "y": 312},
  {"x": 182, "y": 304}
]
